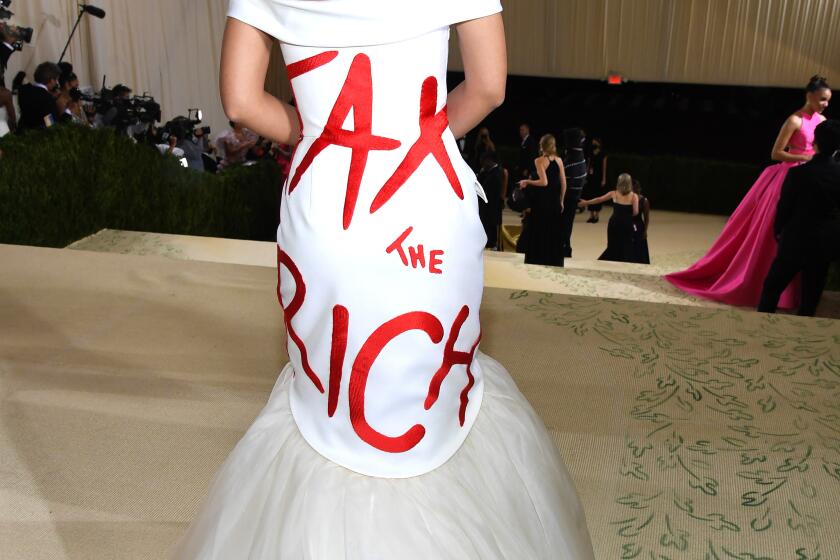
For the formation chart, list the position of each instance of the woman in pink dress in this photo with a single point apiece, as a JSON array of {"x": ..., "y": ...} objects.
[{"x": 734, "y": 269}]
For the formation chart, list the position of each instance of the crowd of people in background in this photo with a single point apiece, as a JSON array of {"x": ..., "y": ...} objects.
[
  {"x": 552, "y": 183},
  {"x": 52, "y": 97}
]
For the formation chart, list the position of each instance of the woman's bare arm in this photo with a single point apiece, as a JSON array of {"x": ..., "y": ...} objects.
[
  {"x": 635, "y": 200},
  {"x": 783, "y": 139},
  {"x": 245, "y": 56},
  {"x": 609, "y": 196},
  {"x": 483, "y": 51},
  {"x": 541, "y": 163}
]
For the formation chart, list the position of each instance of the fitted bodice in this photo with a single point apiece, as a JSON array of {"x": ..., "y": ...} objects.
[
  {"x": 802, "y": 140},
  {"x": 380, "y": 245}
]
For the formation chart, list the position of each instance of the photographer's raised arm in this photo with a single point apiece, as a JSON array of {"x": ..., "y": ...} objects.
[
  {"x": 484, "y": 53},
  {"x": 245, "y": 57}
]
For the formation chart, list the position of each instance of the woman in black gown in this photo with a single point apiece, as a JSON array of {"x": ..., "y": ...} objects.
[
  {"x": 621, "y": 231},
  {"x": 544, "y": 244}
]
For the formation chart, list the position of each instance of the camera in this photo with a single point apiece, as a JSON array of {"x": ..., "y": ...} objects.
[
  {"x": 184, "y": 127},
  {"x": 121, "y": 111},
  {"x": 15, "y": 34}
]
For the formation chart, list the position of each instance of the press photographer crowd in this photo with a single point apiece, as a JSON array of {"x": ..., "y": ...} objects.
[{"x": 52, "y": 96}]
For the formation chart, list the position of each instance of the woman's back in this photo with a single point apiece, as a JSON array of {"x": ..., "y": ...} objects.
[{"x": 380, "y": 268}]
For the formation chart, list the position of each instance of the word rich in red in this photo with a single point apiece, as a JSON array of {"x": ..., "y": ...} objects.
[{"x": 366, "y": 358}]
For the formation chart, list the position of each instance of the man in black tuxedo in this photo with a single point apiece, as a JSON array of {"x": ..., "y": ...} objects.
[
  {"x": 6, "y": 49},
  {"x": 807, "y": 225},
  {"x": 528, "y": 152},
  {"x": 492, "y": 179},
  {"x": 38, "y": 108},
  {"x": 6, "y": 52}
]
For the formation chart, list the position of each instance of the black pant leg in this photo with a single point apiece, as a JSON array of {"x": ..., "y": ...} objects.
[
  {"x": 781, "y": 273},
  {"x": 814, "y": 277},
  {"x": 570, "y": 203}
]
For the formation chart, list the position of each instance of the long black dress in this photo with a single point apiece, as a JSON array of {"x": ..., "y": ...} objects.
[
  {"x": 544, "y": 244},
  {"x": 642, "y": 253},
  {"x": 621, "y": 235}
]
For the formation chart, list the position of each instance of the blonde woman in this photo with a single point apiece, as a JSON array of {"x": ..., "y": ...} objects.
[
  {"x": 545, "y": 228},
  {"x": 621, "y": 228}
]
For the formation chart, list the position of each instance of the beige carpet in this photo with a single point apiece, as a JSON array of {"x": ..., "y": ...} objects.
[
  {"x": 125, "y": 380},
  {"x": 580, "y": 277}
]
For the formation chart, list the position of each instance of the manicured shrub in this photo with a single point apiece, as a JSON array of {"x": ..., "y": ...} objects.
[{"x": 62, "y": 184}]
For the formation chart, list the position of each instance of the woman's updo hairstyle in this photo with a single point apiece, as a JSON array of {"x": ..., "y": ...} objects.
[{"x": 817, "y": 83}]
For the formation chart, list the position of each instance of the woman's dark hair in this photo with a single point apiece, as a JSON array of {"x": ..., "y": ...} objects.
[
  {"x": 573, "y": 138},
  {"x": 66, "y": 77},
  {"x": 827, "y": 136},
  {"x": 817, "y": 83}
]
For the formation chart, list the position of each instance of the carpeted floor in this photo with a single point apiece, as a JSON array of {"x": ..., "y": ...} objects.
[{"x": 125, "y": 380}]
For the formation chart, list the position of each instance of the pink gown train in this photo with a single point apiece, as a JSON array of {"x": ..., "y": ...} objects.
[{"x": 734, "y": 268}]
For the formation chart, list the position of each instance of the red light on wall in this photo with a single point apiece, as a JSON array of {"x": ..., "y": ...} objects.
[{"x": 615, "y": 79}]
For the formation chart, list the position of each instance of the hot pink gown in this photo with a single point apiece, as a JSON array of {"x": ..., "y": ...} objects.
[{"x": 734, "y": 268}]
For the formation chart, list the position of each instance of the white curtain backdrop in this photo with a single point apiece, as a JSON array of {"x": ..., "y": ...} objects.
[
  {"x": 741, "y": 42},
  {"x": 170, "y": 48}
]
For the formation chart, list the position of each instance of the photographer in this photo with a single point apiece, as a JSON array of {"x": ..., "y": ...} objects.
[
  {"x": 37, "y": 100},
  {"x": 195, "y": 145},
  {"x": 235, "y": 145},
  {"x": 69, "y": 99},
  {"x": 6, "y": 49}
]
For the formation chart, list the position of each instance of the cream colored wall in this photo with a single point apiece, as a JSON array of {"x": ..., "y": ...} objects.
[
  {"x": 743, "y": 42},
  {"x": 170, "y": 48}
]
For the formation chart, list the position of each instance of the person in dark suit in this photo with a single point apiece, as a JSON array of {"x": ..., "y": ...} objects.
[
  {"x": 6, "y": 48},
  {"x": 807, "y": 224},
  {"x": 576, "y": 170},
  {"x": 528, "y": 152},
  {"x": 492, "y": 179},
  {"x": 6, "y": 52},
  {"x": 37, "y": 102}
]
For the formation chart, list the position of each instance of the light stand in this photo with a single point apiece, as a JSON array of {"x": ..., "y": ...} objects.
[{"x": 83, "y": 8}]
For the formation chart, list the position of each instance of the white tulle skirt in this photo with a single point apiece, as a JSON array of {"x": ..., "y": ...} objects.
[{"x": 505, "y": 494}]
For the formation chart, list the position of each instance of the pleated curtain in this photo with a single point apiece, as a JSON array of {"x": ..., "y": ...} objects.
[{"x": 170, "y": 48}]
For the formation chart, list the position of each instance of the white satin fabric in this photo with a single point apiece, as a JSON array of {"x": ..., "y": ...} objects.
[
  {"x": 388, "y": 435},
  {"x": 348, "y": 23},
  {"x": 505, "y": 495}
]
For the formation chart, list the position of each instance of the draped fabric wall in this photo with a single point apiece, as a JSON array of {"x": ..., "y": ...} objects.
[
  {"x": 740, "y": 42},
  {"x": 170, "y": 48}
]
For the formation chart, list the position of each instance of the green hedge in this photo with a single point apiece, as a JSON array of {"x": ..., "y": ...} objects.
[
  {"x": 686, "y": 184},
  {"x": 62, "y": 184},
  {"x": 677, "y": 183}
]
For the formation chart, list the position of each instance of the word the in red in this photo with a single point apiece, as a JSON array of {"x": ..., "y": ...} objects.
[{"x": 415, "y": 255}]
